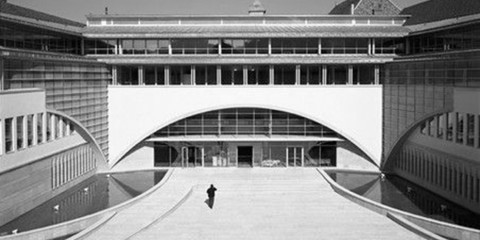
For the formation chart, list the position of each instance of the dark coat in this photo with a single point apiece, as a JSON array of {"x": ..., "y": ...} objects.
[{"x": 211, "y": 192}]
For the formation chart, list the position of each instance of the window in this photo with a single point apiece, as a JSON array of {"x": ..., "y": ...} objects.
[
  {"x": 449, "y": 126},
  {"x": 39, "y": 126},
  {"x": 258, "y": 74},
  {"x": 194, "y": 46},
  {"x": 294, "y": 46},
  {"x": 9, "y": 134},
  {"x": 363, "y": 74},
  {"x": 30, "y": 126},
  {"x": 470, "y": 129},
  {"x": 310, "y": 74},
  {"x": 127, "y": 75},
  {"x": 154, "y": 75},
  {"x": 284, "y": 74},
  {"x": 180, "y": 75},
  {"x": 232, "y": 74},
  {"x": 459, "y": 130},
  {"x": 206, "y": 74},
  {"x": 337, "y": 74},
  {"x": 441, "y": 126},
  {"x": 245, "y": 46}
]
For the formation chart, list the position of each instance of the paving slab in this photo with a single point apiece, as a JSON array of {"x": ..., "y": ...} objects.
[{"x": 256, "y": 203}]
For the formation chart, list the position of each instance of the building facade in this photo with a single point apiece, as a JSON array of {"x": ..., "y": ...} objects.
[{"x": 368, "y": 86}]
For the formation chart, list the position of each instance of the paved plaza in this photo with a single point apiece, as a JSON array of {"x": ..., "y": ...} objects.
[{"x": 249, "y": 204}]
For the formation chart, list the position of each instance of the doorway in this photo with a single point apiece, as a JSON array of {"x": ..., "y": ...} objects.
[
  {"x": 295, "y": 156},
  {"x": 192, "y": 157},
  {"x": 245, "y": 156}
]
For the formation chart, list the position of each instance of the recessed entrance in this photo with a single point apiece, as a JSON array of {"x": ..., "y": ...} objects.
[{"x": 245, "y": 156}]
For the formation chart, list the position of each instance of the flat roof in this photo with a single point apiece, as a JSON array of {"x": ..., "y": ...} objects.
[{"x": 244, "y": 138}]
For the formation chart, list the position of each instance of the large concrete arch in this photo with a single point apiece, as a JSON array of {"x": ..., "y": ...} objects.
[
  {"x": 102, "y": 164},
  {"x": 405, "y": 134},
  {"x": 292, "y": 111},
  {"x": 352, "y": 111}
]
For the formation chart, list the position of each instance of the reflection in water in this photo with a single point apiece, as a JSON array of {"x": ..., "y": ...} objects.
[
  {"x": 401, "y": 194},
  {"x": 92, "y": 195}
]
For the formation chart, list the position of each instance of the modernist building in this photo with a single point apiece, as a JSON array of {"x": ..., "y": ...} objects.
[{"x": 368, "y": 86}]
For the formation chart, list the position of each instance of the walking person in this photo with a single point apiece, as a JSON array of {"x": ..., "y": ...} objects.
[{"x": 211, "y": 195}]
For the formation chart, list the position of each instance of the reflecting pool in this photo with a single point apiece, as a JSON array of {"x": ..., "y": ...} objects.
[
  {"x": 94, "y": 194},
  {"x": 404, "y": 195}
]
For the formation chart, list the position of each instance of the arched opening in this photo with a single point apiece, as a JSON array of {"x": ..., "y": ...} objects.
[{"x": 248, "y": 137}]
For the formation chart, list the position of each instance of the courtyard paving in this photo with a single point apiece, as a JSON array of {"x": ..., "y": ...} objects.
[{"x": 250, "y": 203}]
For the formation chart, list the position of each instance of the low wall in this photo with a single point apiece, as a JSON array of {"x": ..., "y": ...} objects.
[
  {"x": 79, "y": 224},
  {"x": 441, "y": 228}
]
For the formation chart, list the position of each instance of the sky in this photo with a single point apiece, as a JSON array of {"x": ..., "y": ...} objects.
[{"x": 77, "y": 9}]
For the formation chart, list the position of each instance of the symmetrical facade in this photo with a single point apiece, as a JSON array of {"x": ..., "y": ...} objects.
[{"x": 368, "y": 86}]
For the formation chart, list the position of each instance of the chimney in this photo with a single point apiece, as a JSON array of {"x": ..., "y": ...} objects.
[{"x": 256, "y": 9}]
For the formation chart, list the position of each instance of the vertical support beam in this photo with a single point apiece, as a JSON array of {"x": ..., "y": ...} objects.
[
  {"x": 120, "y": 47},
  {"x": 53, "y": 127},
  {"x": 350, "y": 74},
  {"x": 219, "y": 46},
  {"x": 169, "y": 47},
  {"x": 14, "y": 134},
  {"x": 270, "y": 125},
  {"x": 269, "y": 46},
  {"x": 245, "y": 75},
  {"x": 219, "y": 75},
  {"x": 297, "y": 74},
  {"x": 377, "y": 75},
  {"x": 271, "y": 75},
  {"x": 141, "y": 78},
  {"x": 319, "y": 46},
  {"x": 454, "y": 126},
  {"x": 167, "y": 75},
  {"x": 324, "y": 74},
  {"x": 465, "y": 125},
  {"x": 2, "y": 136},
  {"x": 44, "y": 127},
  {"x": 194, "y": 77},
  {"x": 25, "y": 131},
  {"x": 373, "y": 46},
  {"x": 219, "y": 130},
  {"x": 61, "y": 124},
  {"x": 369, "y": 46},
  {"x": 114, "y": 75}
]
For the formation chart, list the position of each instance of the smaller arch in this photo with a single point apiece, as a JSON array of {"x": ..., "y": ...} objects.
[
  {"x": 102, "y": 164},
  {"x": 405, "y": 135}
]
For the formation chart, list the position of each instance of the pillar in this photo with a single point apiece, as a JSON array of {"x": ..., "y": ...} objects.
[
  {"x": 373, "y": 46},
  {"x": 44, "y": 127},
  {"x": 245, "y": 75},
  {"x": 34, "y": 129},
  {"x": 193, "y": 74},
  {"x": 2, "y": 75},
  {"x": 114, "y": 75},
  {"x": 141, "y": 78},
  {"x": 61, "y": 124},
  {"x": 271, "y": 75},
  {"x": 25, "y": 131},
  {"x": 350, "y": 74},
  {"x": 377, "y": 74},
  {"x": 219, "y": 47},
  {"x": 297, "y": 74},
  {"x": 52, "y": 127},
  {"x": 476, "y": 127},
  {"x": 169, "y": 47},
  {"x": 324, "y": 74},
  {"x": 219, "y": 75},
  {"x": 167, "y": 75},
  {"x": 269, "y": 46},
  {"x": 319, "y": 46}
]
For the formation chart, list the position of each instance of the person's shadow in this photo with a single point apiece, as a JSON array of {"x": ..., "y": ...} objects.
[{"x": 209, "y": 202}]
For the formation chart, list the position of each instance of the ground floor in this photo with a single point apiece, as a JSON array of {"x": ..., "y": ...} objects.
[{"x": 244, "y": 154}]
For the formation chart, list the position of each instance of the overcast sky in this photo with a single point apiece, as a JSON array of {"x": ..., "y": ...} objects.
[{"x": 77, "y": 9}]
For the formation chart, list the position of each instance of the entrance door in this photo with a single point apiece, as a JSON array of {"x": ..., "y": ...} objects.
[
  {"x": 245, "y": 156},
  {"x": 191, "y": 157},
  {"x": 295, "y": 156}
]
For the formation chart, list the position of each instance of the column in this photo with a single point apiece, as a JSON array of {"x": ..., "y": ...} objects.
[
  {"x": 297, "y": 74},
  {"x": 44, "y": 127},
  {"x": 319, "y": 46},
  {"x": 269, "y": 46},
  {"x": 167, "y": 75},
  {"x": 219, "y": 47},
  {"x": 350, "y": 74},
  {"x": 25, "y": 131},
  {"x": 169, "y": 47},
  {"x": 373, "y": 46},
  {"x": 141, "y": 79},
  {"x": 194, "y": 77},
  {"x": 271, "y": 75},
  {"x": 14, "y": 134},
  {"x": 245, "y": 75},
  {"x": 324, "y": 74},
  {"x": 34, "y": 129},
  {"x": 219, "y": 75},
  {"x": 52, "y": 126},
  {"x": 377, "y": 75},
  {"x": 61, "y": 124},
  {"x": 2, "y": 136},
  {"x": 369, "y": 46},
  {"x": 120, "y": 47}
]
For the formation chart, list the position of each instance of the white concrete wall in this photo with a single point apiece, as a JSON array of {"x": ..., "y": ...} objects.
[{"x": 137, "y": 111}]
